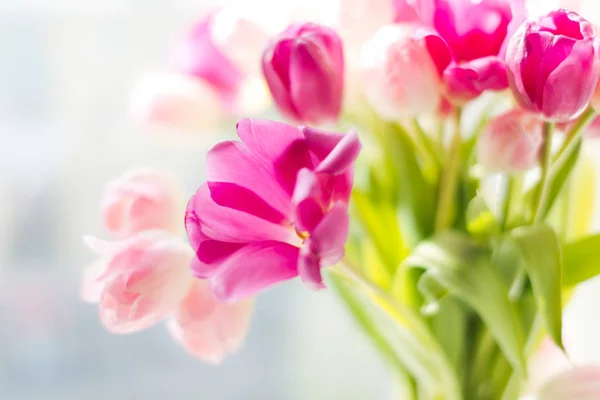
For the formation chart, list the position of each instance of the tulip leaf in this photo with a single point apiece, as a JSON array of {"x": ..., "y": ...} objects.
[
  {"x": 404, "y": 338},
  {"x": 416, "y": 203},
  {"x": 541, "y": 252},
  {"x": 581, "y": 260},
  {"x": 466, "y": 270},
  {"x": 379, "y": 223}
]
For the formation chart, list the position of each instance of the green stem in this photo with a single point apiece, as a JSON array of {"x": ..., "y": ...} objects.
[
  {"x": 574, "y": 133},
  {"x": 449, "y": 180},
  {"x": 426, "y": 142},
  {"x": 543, "y": 191},
  {"x": 508, "y": 194}
]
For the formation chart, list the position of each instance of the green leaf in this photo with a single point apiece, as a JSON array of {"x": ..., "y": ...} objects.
[
  {"x": 416, "y": 197},
  {"x": 540, "y": 249},
  {"x": 481, "y": 221},
  {"x": 379, "y": 223},
  {"x": 407, "y": 338},
  {"x": 582, "y": 198},
  {"x": 558, "y": 178},
  {"x": 581, "y": 260},
  {"x": 467, "y": 271}
]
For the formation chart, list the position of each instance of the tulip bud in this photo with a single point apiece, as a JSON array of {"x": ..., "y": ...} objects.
[
  {"x": 141, "y": 200},
  {"x": 304, "y": 69},
  {"x": 511, "y": 142},
  {"x": 400, "y": 78},
  {"x": 553, "y": 65}
]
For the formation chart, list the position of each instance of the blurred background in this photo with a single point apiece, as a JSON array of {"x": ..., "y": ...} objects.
[{"x": 66, "y": 72}]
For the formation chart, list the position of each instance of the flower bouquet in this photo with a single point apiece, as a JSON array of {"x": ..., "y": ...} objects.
[{"x": 452, "y": 216}]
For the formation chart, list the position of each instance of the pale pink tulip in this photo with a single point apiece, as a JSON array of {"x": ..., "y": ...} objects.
[
  {"x": 275, "y": 207},
  {"x": 208, "y": 329},
  {"x": 554, "y": 65},
  {"x": 580, "y": 383},
  {"x": 141, "y": 200},
  {"x": 400, "y": 78},
  {"x": 510, "y": 142},
  {"x": 177, "y": 102},
  {"x": 139, "y": 280}
]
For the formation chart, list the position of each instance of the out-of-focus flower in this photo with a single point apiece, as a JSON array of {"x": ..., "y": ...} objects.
[
  {"x": 224, "y": 50},
  {"x": 304, "y": 68},
  {"x": 511, "y": 142},
  {"x": 168, "y": 100},
  {"x": 275, "y": 206},
  {"x": 138, "y": 281},
  {"x": 208, "y": 328},
  {"x": 580, "y": 383},
  {"x": 473, "y": 29},
  {"x": 553, "y": 65},
  {"x": 400, "y": 77},
  {"x": 476, "y": 34},
  {"x": 141, "y": 200}
]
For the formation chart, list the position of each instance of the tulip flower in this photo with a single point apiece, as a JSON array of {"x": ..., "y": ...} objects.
[
  {"x": 223, "y": 50},
  {"x": 511, "y": 142},
  {"x": 207, "y": 328},
  {"x": 400, "y": 78},
  {"x": 138, "y": 281},
  {"x": 175, "y": 102},
  {"x": 304, "y": 69},
  {"x": 141, "y": 200},
  {"x": 275, "y": 207},
  {"x": 553, "y": 65}
]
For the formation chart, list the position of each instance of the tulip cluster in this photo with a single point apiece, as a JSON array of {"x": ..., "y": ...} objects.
[{"x": 467, "y": 226}]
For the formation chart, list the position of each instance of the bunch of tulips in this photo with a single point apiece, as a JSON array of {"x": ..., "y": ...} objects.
[{"x": 452, "y": 214}]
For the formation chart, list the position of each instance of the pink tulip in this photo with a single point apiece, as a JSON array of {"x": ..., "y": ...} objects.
[
  {"x": 581, "y": 383},
  {"x": 141, "y": 200},
  {"x": 275, "y": 207},
  {"x": 138, "y": 281},
  {"x": 475, "y": 33},
  {"x": 511, "y": 142},
  {"x": 223, "y": 50},
  {"x": 207, "y": 328},
  {"x": 304, "y": 69},
  {"x": 400, "y": 78},
  {"x": 553, "y": 65},
  {"x": 175, "y": 101}
]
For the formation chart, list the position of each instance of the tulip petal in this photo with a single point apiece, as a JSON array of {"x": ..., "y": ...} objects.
[
  {"x": 207, "y": 328},
  {"x": 312, "y": 77},
  {"x": 567, "y": 101},
  {"x": 231, "y": 162},
  {"x": 267, "y": 140},
  {"x": 329, "y": 237},
  {"x": 468, "y": 80},
  {"x": 307, "y": 200},
  {"x": 342, "y": 156},
  {"x": 253, "y": 268},
  {"x": 205, "y": 219}
]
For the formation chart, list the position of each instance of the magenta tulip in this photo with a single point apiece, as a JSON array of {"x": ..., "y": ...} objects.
[
  {"x": 553, "y": 65},
  {"x": 275, "y": 207},
  {"x": 304, "y": 68}
]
